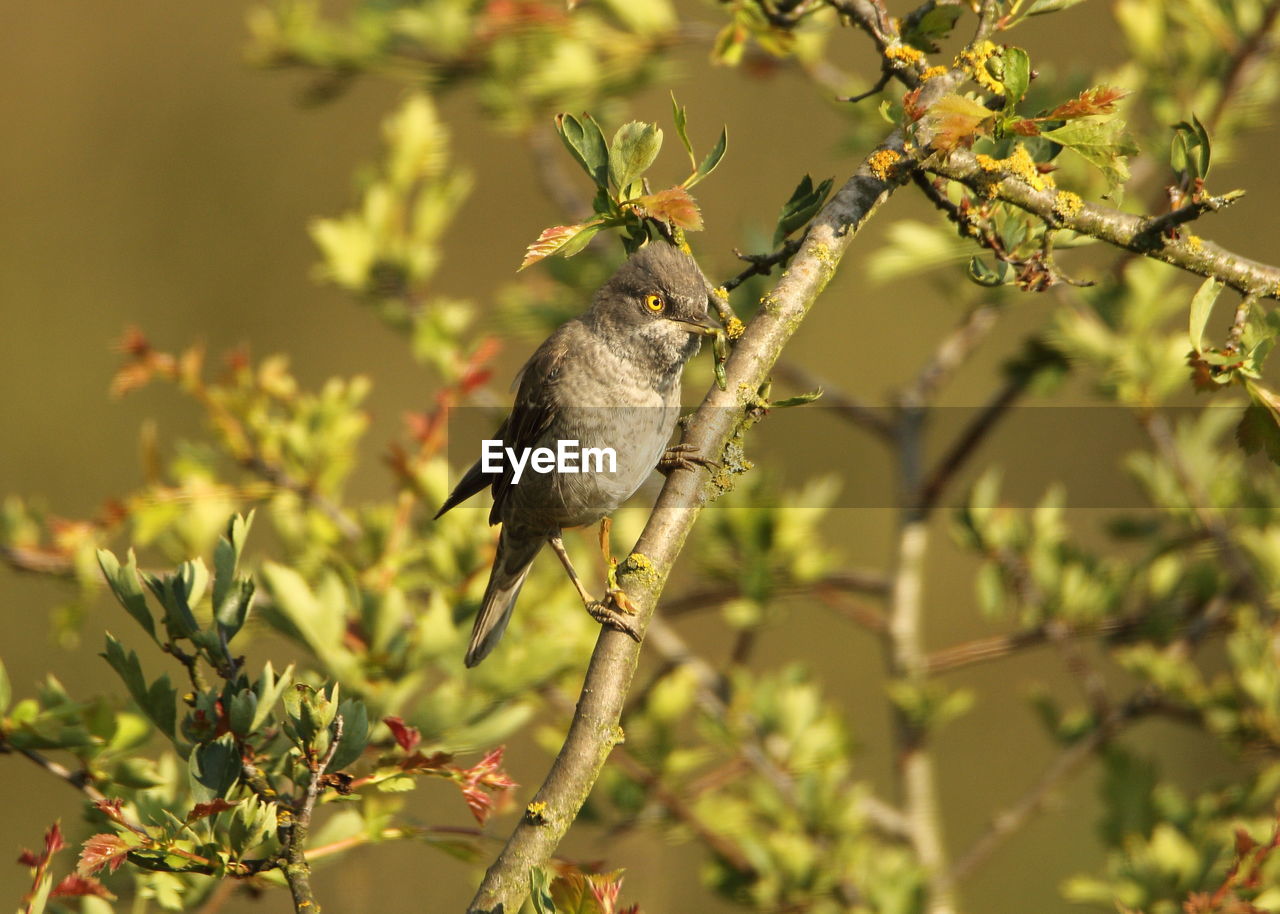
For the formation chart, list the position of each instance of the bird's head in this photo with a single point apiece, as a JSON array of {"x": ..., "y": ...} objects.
[{"x": 657, "y": 303}]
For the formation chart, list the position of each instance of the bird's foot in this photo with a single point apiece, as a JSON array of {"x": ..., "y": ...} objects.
[
  {"x": 613, "y": 611},
  {"x": 683, "y": 457}
]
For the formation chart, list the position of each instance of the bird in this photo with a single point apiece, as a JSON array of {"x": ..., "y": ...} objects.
[{"x": 609, "y": 378}]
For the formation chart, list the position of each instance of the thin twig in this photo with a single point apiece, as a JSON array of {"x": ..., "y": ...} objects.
[
  {"x": 37, "y": 561},
  {"x": 763, "y": 264},
  {"x": 952, "y": 352},
  {"x": 1067, "y": 762},
  {"x": 945, "y": 470},
  {"x": 278, "y": 476},
  {"x": 296, "y": 868},
  {"x": 78, "y": 780},
  {"x": 846, "y": 406}
]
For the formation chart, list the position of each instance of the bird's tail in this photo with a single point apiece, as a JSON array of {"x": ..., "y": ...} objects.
[{"x": 510, "y": 568}]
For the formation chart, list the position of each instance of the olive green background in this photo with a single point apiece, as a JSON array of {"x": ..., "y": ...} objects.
[{"x": 149, "y": 177}]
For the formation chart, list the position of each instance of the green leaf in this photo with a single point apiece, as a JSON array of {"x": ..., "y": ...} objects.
[
  {"x": 6, "y": 690},
  {"x": 1017, "y": 76},
  {"x": 242, "y": 712},
  {"x": 984, "y": 275},
  {"x": 1190, "y": 151},
  {"x": 226, "y": 556},
  {"x": 1259, "y": 428},
  {"x": 937, "y": 23},
  {"x": 213, "y": 769},
  {"x": 355, "y": 733},
  {"x": 157, "y": 701},
  {"x": 633, "y": 150},
  {"x": 712, "y": 158},
  {"x": 124, "y": 584},
  {"x": 798, "y": 400},
  {"x": 681, "y": 118},
  {"x": 1102, "y": 142},
  {"x": 805, "y": 201},
  {"x": 586, "y": 144},
  {"x": 172, "y": 591},
  {"x": 269, "y": 689},
  {"x": 540, "y": 891},
  {"x": 232, "y": 612},
  {"x": 320, "y": 624},
  {"x": 1201, "y": 307},
  {"x": 1040, "y": 7}
]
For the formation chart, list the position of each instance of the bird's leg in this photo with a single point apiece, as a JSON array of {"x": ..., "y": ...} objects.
[
  {"x": 683, "y": 457},
  {"x": 602, "y": 612},
  {"x": 612, "y": 590}
]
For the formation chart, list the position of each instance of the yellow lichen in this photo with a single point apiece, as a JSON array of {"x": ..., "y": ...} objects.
[
  {"x": 1195, "y": 242},
  {"x": 1023, "y": 166},
  {"x": 974, "y": 62},
  {"x": 904, "y": 54},
  {"x": 881, "y": 163},
  {"x": 933, "y": 71},
  {"x": 987, "y": 163},
  {"x": 536, "y": 812},
  {"x": 734, "y": 328},
  {"x": 640, "y": 567},
  {"x": 1067, "y": 205}
]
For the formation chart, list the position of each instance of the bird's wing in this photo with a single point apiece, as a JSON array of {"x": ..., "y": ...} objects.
[
  {"x": 474, "y": 480},
  {"x": 536, "y": 405}
]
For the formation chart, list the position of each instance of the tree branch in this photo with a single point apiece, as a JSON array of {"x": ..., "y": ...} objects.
[
  {"x": 295, "y": 866},
  {"x": 722, "y": 415},
  {"x": 1141, "y": 235}
]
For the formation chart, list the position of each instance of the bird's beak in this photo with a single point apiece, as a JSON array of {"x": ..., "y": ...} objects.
[{"x": 702, "y": 326}]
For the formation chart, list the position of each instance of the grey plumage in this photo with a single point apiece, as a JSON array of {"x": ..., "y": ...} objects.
[{"x": 609, "y": 378}]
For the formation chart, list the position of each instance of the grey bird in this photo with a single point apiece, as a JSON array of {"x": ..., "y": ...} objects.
[{"x": 609, "y": 378}]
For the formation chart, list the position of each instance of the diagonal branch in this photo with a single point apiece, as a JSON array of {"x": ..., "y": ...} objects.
[
  {"x": 722, "y": 415},
  {"x": 1141, "y": 235}
]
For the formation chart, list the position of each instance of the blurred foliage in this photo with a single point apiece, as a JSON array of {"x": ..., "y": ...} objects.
[{"x": 212, "y": 769}]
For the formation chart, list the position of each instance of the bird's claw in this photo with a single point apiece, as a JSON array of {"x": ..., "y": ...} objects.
[
  {"x": 609, "y": 612},
  {"x": 683, "y": 457}
]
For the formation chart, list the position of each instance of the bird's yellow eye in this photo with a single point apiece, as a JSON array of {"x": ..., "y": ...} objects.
[{"x": 654, "y": 302}]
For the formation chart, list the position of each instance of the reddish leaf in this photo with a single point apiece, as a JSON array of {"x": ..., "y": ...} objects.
[
  {"x": 1244, "y": 843},
  {"x": 28, "y": 858},
  {"x": 605, "y": 889},
  {"x": 75, "y": 885},
  {"x": 111, "y": 809},
  {"x": 673, "y": 205},
  {"x": 953, "y": 121},
  {"x": 571, "y": 893},
  {"x": 408, "y": 737},
  {"x": 204, "y": 810},
  {"x": 483, "y": 778},
  {"x": 552, "y": 240},
  {"x": 488, "y": 771},
  {"x": 102, "y": 850},
  {"x": 479, "y": 802},
  {"x": 1098, "y": 100}
]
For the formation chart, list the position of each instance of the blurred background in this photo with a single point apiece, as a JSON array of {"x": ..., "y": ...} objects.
[{"x": 152, "y": 178}]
